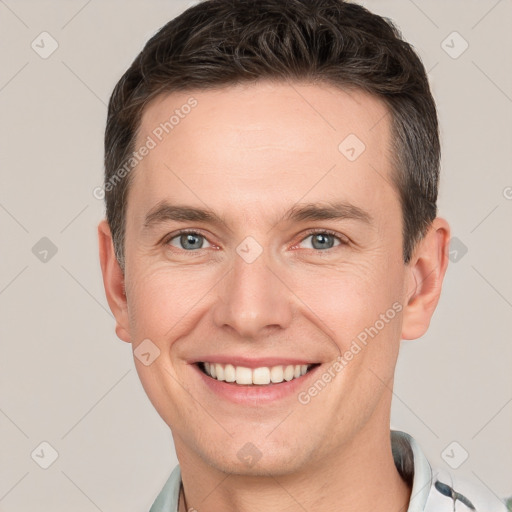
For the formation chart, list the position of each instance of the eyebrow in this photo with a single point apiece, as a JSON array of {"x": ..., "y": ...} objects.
[{"x": 338, "y": 210}]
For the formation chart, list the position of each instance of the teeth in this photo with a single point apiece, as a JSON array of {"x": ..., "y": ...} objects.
[
  {"x": 276, "y": 374},
  {"x": 243, "y": 375},
  {"x": 288, "y": 373},
  {"x": 219, "y": 370},
  {"x": 229, "y": 373},
  {"x": 261, "y": 376}
]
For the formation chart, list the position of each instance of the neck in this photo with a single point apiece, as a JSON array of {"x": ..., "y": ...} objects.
[{"x": 359, "y": 476}]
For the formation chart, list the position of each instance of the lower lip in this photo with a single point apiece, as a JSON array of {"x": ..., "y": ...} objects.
[{"x": 256, "y": 394}]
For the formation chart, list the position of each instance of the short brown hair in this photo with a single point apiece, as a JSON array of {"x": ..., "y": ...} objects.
[{"x": 218, "y": 43}]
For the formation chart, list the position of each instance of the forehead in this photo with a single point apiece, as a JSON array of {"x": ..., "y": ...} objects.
[
  {"x": 264, "y": 143},
  {"x": 254, "y": 113}
]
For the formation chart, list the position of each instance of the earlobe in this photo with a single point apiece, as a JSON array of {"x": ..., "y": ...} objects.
[
  {"x": 426, "y": 272},
  {"x": 113, "y": 281}
]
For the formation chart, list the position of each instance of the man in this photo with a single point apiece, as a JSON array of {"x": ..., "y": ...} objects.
[{"x": 271, "y": 236}]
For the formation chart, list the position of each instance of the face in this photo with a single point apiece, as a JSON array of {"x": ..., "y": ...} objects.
[{"x": 298, "y": 264}]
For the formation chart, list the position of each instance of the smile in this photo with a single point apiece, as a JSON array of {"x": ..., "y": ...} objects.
[{"x": 261, "y": 376}]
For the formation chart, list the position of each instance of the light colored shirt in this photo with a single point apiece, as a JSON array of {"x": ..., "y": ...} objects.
[{"x": 433, "y": 490}]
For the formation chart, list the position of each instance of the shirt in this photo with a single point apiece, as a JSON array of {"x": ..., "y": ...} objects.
[{"x": 433, "y": 490}]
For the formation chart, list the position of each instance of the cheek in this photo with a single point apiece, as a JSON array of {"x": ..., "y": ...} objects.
[
  {"x": 345, "y": 300},
  {"x": 152, "y": 303},
  {"x": 162, "y": 300}
]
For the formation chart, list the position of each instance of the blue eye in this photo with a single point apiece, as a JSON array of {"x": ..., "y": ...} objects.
[
  {"x": 192, "y": 240},
  {"x": 188, "y": 240},
  {"x": 323, "y": 240}
]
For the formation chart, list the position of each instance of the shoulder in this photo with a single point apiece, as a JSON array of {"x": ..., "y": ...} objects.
[
  {"x": 167, "y": 500},
  {"x": 438, "y": 490},
  {"x": 462, "y": 493}
]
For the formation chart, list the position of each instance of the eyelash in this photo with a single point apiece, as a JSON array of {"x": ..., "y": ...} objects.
[{"x": 342, "y": 240}]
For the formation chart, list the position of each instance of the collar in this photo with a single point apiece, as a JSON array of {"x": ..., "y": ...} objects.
[{"x": 413, "y": 467}]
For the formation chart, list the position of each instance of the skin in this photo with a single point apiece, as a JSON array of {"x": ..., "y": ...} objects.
[{"x": 250, "y": 153}]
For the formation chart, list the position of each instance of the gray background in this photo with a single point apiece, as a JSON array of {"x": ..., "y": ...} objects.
[{"x": 66, "y": 379}]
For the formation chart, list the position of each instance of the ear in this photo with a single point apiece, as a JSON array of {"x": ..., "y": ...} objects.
[
  {"x": 426, "y": 271},
  {"x": 113, "y": 281}
]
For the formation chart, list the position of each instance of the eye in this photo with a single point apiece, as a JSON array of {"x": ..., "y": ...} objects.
[
  {"x": 323, "y": 240},
  {"x": 320, "y": 240},
  {"x": 187, "y": 240}
]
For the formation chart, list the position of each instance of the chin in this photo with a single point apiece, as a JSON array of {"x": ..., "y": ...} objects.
[
  {"x": 264, "y": 467},
  {"x": 246, "y": 458}
]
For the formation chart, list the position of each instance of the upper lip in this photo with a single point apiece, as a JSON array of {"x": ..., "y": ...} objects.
[{"x": 253, "y": 362}]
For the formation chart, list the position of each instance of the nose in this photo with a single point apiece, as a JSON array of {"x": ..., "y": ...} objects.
[{"x": 253, "y": 299}]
